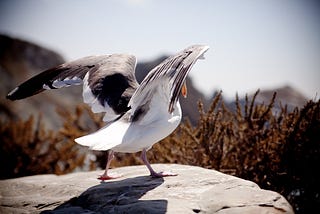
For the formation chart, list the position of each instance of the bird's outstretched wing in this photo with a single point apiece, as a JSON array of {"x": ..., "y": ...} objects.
[
  {"x": 108, "y": 82},
  {"x": 167, "y": 79}
]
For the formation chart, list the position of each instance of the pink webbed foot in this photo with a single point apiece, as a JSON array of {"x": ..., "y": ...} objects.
[
  {"x": 109, "y": 176},
  {"x": 153, "y": 173},
  {"x": 162, "y": 174},
  {"x": 106, "y": 175}
]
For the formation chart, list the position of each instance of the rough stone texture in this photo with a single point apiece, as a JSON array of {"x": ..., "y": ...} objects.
[{"x": 194, "y": 190}]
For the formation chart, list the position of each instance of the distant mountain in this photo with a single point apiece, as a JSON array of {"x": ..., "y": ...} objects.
[
  {"x": 20, "y": 60},
  {"x": 286, "y": 96}
]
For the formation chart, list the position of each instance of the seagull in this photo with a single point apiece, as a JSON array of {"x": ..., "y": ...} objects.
[{"x": 136, "y": 116}]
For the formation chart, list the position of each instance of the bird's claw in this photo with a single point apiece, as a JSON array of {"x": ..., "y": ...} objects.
[
  {"x": 162, "y": 174},
  {"x": 109, "y": 177}
]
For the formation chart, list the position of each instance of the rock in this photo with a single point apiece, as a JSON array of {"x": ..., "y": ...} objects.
[{"x": 194, "y": 190}]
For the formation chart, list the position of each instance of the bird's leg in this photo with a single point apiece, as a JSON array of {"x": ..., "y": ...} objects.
[
  {"x": 106, "y": 175},
  {"x": 152, "y": 172}
]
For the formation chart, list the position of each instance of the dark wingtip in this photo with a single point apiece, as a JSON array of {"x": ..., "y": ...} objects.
[
  {"x": 11, "y": 94},
  {"x": 22, "y": 92}
]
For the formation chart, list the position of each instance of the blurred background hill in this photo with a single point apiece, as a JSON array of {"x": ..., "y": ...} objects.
[{"x": 20, "y": 60}]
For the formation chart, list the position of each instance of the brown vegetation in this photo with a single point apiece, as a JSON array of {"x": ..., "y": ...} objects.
[
  {"x": 28, "y": 148},
  {"x": 278, "y": 150}
]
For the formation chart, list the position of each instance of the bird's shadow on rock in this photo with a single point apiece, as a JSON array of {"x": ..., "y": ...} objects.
[{"x": 116, "y": 197}]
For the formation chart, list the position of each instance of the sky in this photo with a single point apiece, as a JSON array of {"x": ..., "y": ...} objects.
[{"x": 253, "y": 43}]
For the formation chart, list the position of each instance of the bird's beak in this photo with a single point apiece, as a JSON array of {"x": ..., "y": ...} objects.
[{"x": 184, "y": 90}]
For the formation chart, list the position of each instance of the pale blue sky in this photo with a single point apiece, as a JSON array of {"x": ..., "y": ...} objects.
[{"x": 253, "y": 43}]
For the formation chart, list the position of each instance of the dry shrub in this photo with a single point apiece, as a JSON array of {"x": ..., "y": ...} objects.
[
  {"x": 28, "y": 148},
  {"x": 278, "y": 150}
]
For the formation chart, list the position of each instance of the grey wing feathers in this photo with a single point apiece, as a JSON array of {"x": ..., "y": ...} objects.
[
  {"x": 174, "y": 70},
  {"x": 114, "y": 90},
  {"x": 53, "y": 78},
  {"x": 110, "y": 78}
]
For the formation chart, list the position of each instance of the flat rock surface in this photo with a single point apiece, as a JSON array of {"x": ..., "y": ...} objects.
[{"x": 194, "y": 190}]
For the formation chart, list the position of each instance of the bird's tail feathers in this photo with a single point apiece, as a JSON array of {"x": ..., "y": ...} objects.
[{"x": 105, "y": 138}]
